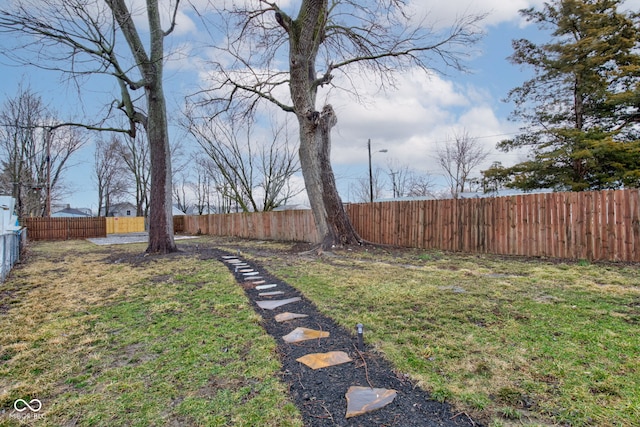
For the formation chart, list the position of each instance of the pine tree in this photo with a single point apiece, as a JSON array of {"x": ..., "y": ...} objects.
[{"x": 581, "y": 110}]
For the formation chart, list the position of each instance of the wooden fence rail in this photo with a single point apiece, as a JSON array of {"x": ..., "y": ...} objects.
[{"x": 65, "y": 228}]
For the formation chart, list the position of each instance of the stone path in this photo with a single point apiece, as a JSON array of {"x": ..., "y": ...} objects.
[
  {"x": 330, "y": 375},
  {"x": 360, "y": 400}
]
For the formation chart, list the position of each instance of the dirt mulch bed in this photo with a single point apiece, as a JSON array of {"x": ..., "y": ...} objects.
[{"x": 320, "y": 394}]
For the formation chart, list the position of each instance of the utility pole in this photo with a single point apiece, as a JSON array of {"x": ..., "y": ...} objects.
[
  {"x": 370, "y": 171},
  {"x": 48, "y": 141}
]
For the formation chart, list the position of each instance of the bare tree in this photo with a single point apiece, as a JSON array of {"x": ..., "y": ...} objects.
[
  {"x": 202, "y": 188},
  {"x": 110, "y": 174},
  {"x": 84, "y": 38},
  {"x": 278, "y": 163},
  {"x": 34, "y": 150},
  {"x": 361, "y": 189},
  {"x": 256, "y": 174},
  {"x": 370, "y": 36},
  {"x": 421, "y": 185},
  {"x": 400, "y": 176},
  {"x": 134, "y": 152},
  {"x": 458, "y": 159},
  {"x": 180, "y": 189}
]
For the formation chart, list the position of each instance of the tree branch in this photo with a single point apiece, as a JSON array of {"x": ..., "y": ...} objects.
[{"x": 173, "y": 20}]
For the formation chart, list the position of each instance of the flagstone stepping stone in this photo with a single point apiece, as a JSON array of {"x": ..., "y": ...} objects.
[
  {"x": 258, "y": 282},
  {"x": 272, "y": 305},
  {"x": 245, "y": 270},
  {"x": 270, "y": 294},
  {"x": 228, "y": 257},
  {"x": 361, "y": 400},
  {"x": 233, "y": 261},
  {"x": 304, "y": 334},
  {"x": 324, "y": 360},
  {"x": 251, "y": 273},
  {"x": 251, "y": 278},
  {"x": 261, "y": 287},
  {"x": 283, "y": 317}
]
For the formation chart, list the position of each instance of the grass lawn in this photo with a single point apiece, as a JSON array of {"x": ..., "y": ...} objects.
[
  {"x": 101, "y": 341},
  {"x": 513, "y": 342},
  {"x": 104, "y": 341}
]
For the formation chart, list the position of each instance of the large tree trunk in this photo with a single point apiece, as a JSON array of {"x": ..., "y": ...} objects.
[
  {"x": 160, "y": 212},
  {"x": 305, "y": 37},
  {"x": 332, "y": 222}
]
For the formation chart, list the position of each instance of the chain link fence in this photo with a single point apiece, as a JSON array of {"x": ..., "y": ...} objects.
[{"x": 11, "y": 246}]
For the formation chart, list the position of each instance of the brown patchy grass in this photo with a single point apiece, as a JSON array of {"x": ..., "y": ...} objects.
[{"x": 106, "y": 336}]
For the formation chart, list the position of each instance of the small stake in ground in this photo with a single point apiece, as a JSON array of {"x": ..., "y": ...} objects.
[{"x": 360, "y": 330}]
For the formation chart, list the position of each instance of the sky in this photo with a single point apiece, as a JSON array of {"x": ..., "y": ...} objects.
[{"x": 410, "y": 123}]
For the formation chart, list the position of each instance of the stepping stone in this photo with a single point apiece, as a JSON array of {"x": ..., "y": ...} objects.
[
  {"x": 272, "y": 305},
  {"x": 323, "y": 360},
  {"x": 270, "y": 294},
  {"x": 304, "y": 334},
  {"x": 244, "y": 270},
  {"x": 258, "y": 282},
  {"x": 283, "y": 317},
  {"x": 251, "y": 273},
  {"x": 228, "y": 257},
  {"x": 233, "y": 261},
  {"x": 261, "y": 287},
  {"x": 361, "y": 400},
  {"x": 253, "y": 278}
]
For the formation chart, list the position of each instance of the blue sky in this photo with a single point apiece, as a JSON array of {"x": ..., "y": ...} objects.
[{"x": 410, "y": 123}]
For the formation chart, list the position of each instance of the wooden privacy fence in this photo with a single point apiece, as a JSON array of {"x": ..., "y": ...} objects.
[
  {"x": 294, "y": 225},
  {"x": 65, "y": 228},
  {"x": 120, "y": 225},
  {"x": 178, "y": 223},
  {"x": 601, "y": 225},
  {"x": 83, "y": 228}
]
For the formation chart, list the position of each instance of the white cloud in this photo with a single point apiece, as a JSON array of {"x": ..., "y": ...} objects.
[
  {"x": 445, "y": 13},
  {"x": 411, "y": 122}
]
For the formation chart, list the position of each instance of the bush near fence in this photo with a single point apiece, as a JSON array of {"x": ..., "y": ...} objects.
[{"x": 603, "y": 225}]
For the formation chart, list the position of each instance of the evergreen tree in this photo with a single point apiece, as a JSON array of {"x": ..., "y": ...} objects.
[{"x": 582, "y": 107}]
